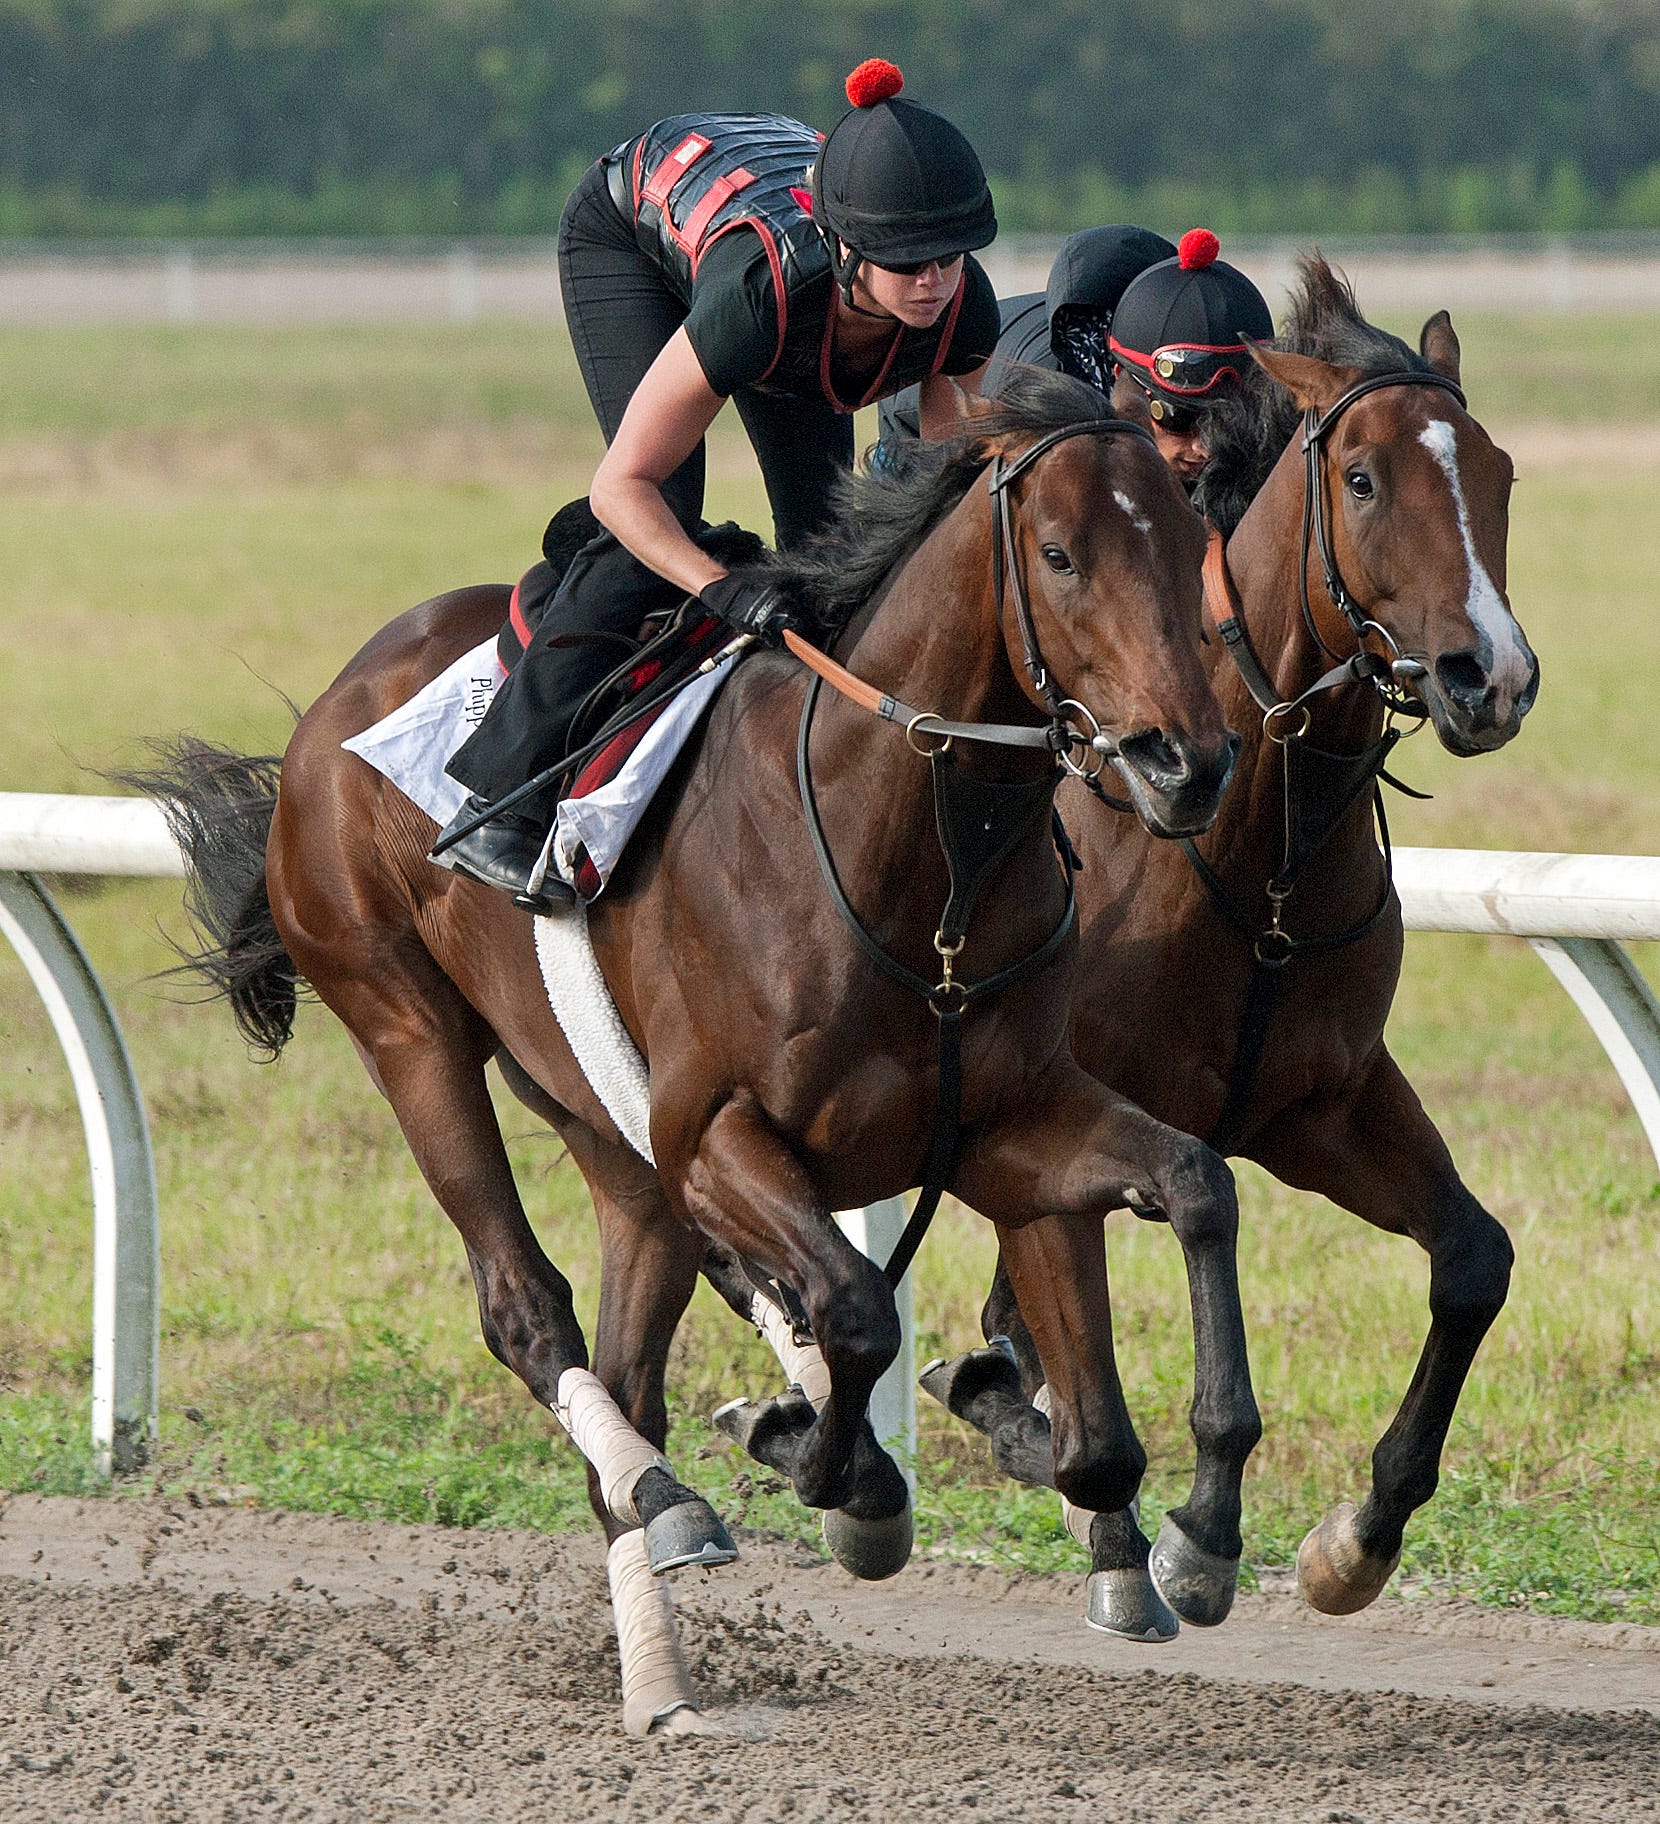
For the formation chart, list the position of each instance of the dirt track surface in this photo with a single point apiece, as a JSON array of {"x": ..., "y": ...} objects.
[{"x": 164, "y": 1662}]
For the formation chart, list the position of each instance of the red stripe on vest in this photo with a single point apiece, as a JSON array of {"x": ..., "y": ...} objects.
[
  {"x": 673, "y": 168},
  {"x": 697, "y": 223}
]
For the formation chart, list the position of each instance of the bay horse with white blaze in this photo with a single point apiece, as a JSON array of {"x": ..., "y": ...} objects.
[
  {"x": 790, "y": 1074},
  {"x": 1267, "y": 957}
]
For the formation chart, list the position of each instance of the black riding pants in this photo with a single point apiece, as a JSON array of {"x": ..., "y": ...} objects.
[{"x": 621, "y": 313}]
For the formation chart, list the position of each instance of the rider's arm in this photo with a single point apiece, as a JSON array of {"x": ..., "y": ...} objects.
[
  {"x": 728, "y": 341},
  {"x": 665, "y": 421}
]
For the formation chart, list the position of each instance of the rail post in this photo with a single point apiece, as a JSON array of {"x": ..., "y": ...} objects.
[{"x": 126, "y": 1273}]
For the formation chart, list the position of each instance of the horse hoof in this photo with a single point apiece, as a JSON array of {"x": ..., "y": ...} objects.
[
  {"x": 767, "y": 1430},
  {"x": 957, "y": 1383},
  {"x": 870, "y": 1549},
  {"x": 1197, "y": 1584},
  {"x": 684, "y": 1721},
  {"x": 1335, "y": 1572},
  {"x": 691, "y": 1532},
  {"x": 1126, "y": 1603}
]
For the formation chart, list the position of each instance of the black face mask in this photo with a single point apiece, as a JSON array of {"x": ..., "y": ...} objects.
[{"x": 1079, "y": 338}]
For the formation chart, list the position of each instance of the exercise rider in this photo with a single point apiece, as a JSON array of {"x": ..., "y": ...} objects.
[
  {"x": 1178, "y": 345},
  {"x": 740, "y": 256}
]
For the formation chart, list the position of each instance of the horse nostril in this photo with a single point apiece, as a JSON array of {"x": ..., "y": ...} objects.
[
  {"x": 1159, "y": 761},
  {"x": 1464, "y": 678},
  {"x": 1531, "y": 690}
]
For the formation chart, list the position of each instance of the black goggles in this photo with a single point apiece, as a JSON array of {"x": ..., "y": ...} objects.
[{"x": 908, "y": 269}]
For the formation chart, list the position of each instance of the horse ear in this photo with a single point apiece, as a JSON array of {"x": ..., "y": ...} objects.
[
  {"x": 1313, "y": 383},
  {"x": 1438, "y": 344}
]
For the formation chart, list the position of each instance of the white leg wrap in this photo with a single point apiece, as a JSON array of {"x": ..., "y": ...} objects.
[
  {"x": 802, "y": 1362},
  {"x": 599, "y": 1430},
  {"x": 656, "y": 1685}
]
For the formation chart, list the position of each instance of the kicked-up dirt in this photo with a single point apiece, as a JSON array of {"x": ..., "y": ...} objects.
[{"x": 160, "y": 1661}]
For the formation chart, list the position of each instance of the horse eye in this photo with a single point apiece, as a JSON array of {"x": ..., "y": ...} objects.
[
  {"x": 1057, "y": 560},
  {"x": 1360, "y": 484}
]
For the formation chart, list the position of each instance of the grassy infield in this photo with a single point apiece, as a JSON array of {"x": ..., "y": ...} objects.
[{"x": 190, "y": 520}]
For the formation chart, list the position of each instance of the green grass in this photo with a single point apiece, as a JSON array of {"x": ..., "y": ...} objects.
[{"x": 186, "y": 517}]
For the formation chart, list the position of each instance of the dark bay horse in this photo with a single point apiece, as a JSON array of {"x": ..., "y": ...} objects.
[
  {"x": 1416, "y": 501},
  {"x": 789, "y": 1075}
]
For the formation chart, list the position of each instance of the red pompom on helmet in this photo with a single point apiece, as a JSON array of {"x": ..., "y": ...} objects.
[
  {"x": 1197, "y": 248},
  {"x": 874, "y": 80},
  {"x": 896, "y": 183}
]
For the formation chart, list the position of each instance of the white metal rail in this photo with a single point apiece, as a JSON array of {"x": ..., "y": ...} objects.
[{"x": 1578, "y": 911}]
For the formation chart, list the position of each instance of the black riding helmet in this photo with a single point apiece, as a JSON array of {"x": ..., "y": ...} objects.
[
  {"x": 896, "y": 182},
  {"x": 1180, "y": 328}
]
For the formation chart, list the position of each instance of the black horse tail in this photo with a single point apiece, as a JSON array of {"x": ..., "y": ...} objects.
[{"x": 219, "y": 805}]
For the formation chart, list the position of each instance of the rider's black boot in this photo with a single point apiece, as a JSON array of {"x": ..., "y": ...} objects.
[{"x": 502, "y": 854}]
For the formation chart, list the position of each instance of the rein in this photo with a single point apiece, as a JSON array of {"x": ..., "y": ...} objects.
[
  {"x": 1339, "y": 779},
  {"x": 978, "y": 822}
]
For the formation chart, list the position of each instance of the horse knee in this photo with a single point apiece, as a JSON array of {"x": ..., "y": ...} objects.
[
  {"x": 530, "y": 1328},
  {"x": 1200, "y": 1198},
  {"x": 1470, "y": 1280},
  {"x": 1100, "y": 1477},
  {"x": 856, "y": 1320}
]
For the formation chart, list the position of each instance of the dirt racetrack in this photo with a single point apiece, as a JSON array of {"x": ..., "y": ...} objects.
[{"x": 160, "y": 1661}]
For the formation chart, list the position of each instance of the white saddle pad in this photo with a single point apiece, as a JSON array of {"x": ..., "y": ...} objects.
[{"x": 413, "y": 745}]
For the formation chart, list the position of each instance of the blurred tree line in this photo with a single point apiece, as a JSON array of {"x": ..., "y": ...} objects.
[{"x": 475, "y": 116}]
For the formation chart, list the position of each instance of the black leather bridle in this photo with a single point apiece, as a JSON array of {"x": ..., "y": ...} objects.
[{"x": 1000, "y": 475}]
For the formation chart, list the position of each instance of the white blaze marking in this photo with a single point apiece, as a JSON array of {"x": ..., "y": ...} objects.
[
  {"x": 1138, "y": 519},
  {"x": 1510, "y": 666}
]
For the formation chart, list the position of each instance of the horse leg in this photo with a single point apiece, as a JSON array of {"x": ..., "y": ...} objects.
[
  {"x": 995, "y": 1389},
  {"x": 1379, "y": 1155},
  {"x": 861, "y": 1537},
  {"x": 647, "y": 1275},
  {"x": 1089, "y": 1151},
  {"x": 746, "y": 1189},
  {"x": 616, "y": 1415},
  {"x": 426, "y": 1049}
]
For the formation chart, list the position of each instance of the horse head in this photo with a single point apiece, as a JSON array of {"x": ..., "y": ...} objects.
[
  {"x": 1102, "y": 606},
  {"x": 1414, "y": 497}
]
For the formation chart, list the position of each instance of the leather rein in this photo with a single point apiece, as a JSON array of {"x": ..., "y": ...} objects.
[
  {"x": 1272, "y": 945},
  {"x": 966, "y": 813}
]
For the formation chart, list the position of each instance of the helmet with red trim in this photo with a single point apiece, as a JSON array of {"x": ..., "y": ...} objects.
[
  {"x": 1180, "y": 328},
  {"x": 896, "y": 182}
]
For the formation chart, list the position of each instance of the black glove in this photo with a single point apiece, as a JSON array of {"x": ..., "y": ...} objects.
[{"x": 750, "y": 607}]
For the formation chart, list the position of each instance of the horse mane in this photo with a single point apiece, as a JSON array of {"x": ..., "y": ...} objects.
[
  {"x": 1248, "y": 430},
  {"x": 880, "y": 515}
]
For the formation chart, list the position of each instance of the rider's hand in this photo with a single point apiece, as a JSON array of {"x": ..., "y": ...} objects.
[{"x": 751, "y": 607}]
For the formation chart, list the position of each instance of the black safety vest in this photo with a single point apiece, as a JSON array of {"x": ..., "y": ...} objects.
[{"x": 692, "y": 178}]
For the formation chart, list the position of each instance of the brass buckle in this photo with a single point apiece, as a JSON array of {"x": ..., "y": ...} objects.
[{"x": 948, "y": 954}]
